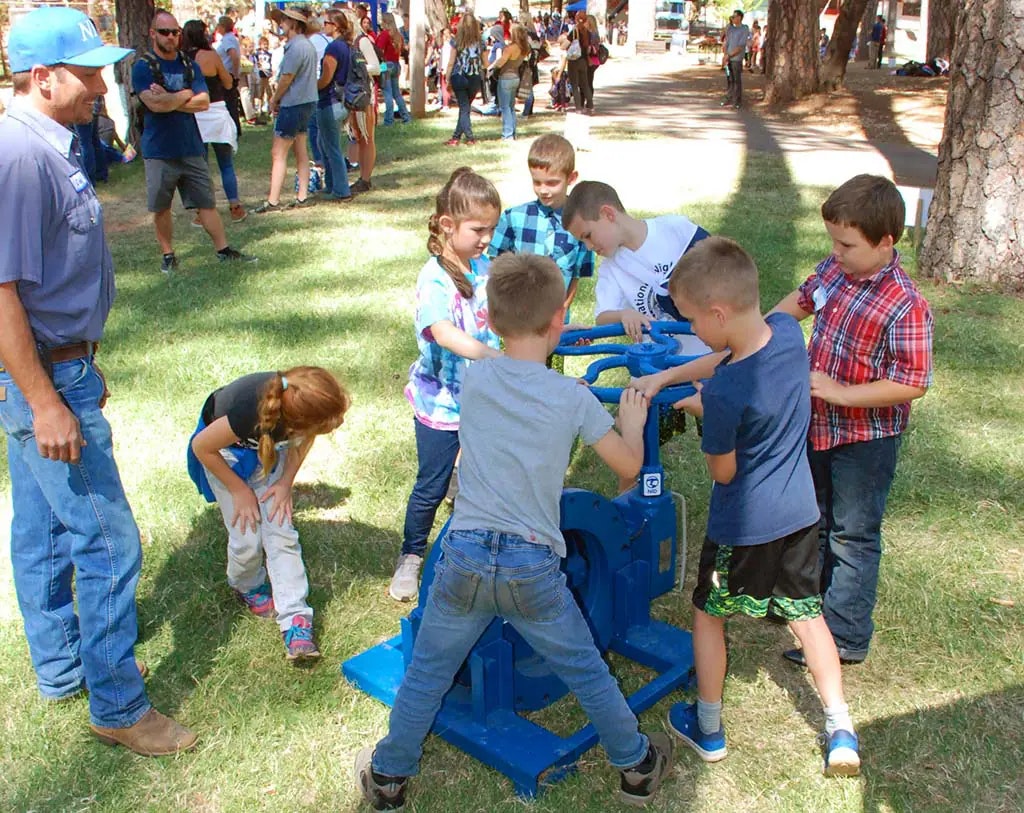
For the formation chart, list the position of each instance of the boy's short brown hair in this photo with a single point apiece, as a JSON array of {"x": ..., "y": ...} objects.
[
  {"x": 587, "y": 198},
  {"x": 553, "y": 153},
  {"x": 716, "y": 271},
  {"x": 523, "y": 292},
  {"x": 869, "y": 203}
]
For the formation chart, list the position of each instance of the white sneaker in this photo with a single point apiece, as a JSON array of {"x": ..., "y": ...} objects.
[{"x": 405, "y": 584}]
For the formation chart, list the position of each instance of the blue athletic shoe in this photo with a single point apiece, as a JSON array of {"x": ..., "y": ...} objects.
[
  {"x": 682, "y": 721},
  {"x": 841, "y": 756}
]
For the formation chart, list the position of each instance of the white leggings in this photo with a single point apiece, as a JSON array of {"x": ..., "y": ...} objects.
[{"x": 280, "y": 543}]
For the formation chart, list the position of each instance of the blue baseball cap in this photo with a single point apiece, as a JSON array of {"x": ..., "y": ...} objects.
[{"x": 59, "y": 36}]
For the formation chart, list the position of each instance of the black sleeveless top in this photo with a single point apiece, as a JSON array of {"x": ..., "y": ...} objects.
[{"x": 213, "y": 83}]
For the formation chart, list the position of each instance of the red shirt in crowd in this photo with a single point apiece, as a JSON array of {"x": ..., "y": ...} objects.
[{"x": 387, "y": 46}]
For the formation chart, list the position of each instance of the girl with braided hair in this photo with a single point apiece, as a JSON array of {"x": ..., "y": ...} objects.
[
  {"x": 451, "y": 331},
  {"x": 252, "y": 437}
]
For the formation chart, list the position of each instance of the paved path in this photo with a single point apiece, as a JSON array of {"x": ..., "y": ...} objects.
[{"x": 661, "y": 138}]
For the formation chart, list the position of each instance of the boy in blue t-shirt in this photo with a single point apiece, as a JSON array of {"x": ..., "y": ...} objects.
[
  {"x": 536, "y": 227},
  {"x": 761, "y": 549}
]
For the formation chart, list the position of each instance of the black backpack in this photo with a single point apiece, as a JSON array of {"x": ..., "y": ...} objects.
[
  {"x": 355, "y": 91},
  {"x": 188, "y": 76}
]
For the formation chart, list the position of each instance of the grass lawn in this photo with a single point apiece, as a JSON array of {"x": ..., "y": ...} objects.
[{"x": 938, "y": 704}]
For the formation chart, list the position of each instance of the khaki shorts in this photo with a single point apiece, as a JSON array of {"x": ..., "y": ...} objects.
[{"x": 190, "y": 176}]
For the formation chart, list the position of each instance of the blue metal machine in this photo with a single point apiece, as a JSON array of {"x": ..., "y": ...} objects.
[{"x": 621, "y": 554}]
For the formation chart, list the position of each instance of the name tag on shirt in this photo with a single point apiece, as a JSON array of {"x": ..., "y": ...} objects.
[
  {"x": 819, "y": 298},
  {"x": 79, "y": 181}
]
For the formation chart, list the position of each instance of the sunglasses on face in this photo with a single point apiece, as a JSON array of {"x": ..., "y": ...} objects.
[{"x": 168, "y": 32}]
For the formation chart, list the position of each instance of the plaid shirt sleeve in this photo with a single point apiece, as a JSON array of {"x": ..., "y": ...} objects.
[
  {"x": 807, "y": 289},
  {"x": 504, "y": 236},
  {"x": 909, "y": 342},
  {"x": 586, "y": 263}
]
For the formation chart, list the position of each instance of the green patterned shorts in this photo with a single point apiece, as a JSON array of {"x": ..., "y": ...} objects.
[{"x": 781, "y": 577}]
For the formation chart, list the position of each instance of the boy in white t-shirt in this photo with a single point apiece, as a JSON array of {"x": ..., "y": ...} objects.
[{"x": 639, "y": 255}]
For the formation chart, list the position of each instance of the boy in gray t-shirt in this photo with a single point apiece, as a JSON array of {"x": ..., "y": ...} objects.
[{"x": 503, "y": 553}]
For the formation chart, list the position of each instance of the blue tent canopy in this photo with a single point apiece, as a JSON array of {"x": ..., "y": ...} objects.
[{"x": 579, "y": 5}]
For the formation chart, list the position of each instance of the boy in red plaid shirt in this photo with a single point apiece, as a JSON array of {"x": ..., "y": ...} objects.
[{"x": 871, "y": 355}]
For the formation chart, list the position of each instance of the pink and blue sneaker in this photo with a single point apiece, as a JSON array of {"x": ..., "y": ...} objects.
[
  {"x": 258, "y": 600},
  {"x": 682, "y": 721},
  {"x": 298, "y": 640}
]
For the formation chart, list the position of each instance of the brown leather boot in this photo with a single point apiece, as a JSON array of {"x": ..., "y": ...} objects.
[{"x": 155, "y": 735}]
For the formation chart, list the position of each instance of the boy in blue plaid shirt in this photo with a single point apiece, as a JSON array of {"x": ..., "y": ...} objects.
[{"x": 536, "y": 227}]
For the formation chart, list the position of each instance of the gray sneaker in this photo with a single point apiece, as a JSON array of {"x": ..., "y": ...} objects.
[
  {"x": 390, "y": 796},
  {"x": 405, "y": 584}
]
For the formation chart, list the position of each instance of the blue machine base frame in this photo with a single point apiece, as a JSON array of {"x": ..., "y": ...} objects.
[{"x": 507, "y": 741}]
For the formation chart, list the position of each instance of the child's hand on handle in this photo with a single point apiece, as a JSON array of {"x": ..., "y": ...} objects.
[
  {"x": 247, "y": 509},
  {"x": 649, "y": 385},
  {"x": 634, "y": 322},
  {"x": 692, "y": 404},
  {"x": 632, "y": 416},
  {"x": 280, "y": 496}
]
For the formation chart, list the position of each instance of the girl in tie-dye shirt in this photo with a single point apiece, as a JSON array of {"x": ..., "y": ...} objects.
[{"x": 451, "y": 332}]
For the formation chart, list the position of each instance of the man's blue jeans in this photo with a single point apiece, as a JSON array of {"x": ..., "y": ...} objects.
[
  {"x": 393, "y": 95},
  {"x": 329, "y": 121},
  {"x": 852, "y": 483},
  {"x": 74, "y": 520},
  {"x": 507, "y": 88},
  {"x": 436, "y": 450},
  {"x": 482, "y": 574}
]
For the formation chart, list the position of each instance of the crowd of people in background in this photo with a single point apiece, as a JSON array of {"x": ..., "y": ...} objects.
[{"x": 295, "y": 72}]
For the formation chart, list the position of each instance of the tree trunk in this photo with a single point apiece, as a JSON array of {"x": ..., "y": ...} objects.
[
  {"x": 864, "y": 34},
  {"x": 437, "y": 16},
  {"x": 941, "y": 29},
  {"x": 976, "y": 223},
  {"x": 833, "y": 69},
  {"x": 133, "y": 18},
  {"x": 791, "y": 58}
]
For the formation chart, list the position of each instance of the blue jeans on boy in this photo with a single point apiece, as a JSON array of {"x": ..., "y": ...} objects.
[
  {"x": 465, "y": 88},
  {"x": 393, "y": 95},
  {"x": 482, "y": 574},
  {"x": 74, "y": 520},
  {"x": 852, "y": 483},
  {"x": 226, "y": 163},
  {"x": 329, "y": 120},
  {"x": 436, "y": 451},
  {"x": 507, "y": 88}
]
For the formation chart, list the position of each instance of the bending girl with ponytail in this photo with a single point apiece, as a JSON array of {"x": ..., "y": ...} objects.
[
  {"x": 451, "y": 331},
  {"x": 252, "y": 437}
]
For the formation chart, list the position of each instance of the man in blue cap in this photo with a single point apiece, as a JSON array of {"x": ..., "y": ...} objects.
[{"x": 71, "y": 517}]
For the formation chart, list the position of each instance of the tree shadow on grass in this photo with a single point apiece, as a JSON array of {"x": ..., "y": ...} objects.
[
  {"x": 963, "y": 755},
  {"x": 909, "y": 163},
  {"x": 213, "y": 660}
]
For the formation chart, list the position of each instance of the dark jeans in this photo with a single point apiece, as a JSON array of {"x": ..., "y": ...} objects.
[
  {"x": 233, "y": 102},
  {"x": 852, "y": 485},
  {"x": 314, "y": 139},
  {"x": 579, "y": 78},
  {"x": 94, "y": 160},
  {"x": 466, "y": 88},
  {"x": 436, "y": 450},
  {"x": 734, "y": 81}
]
